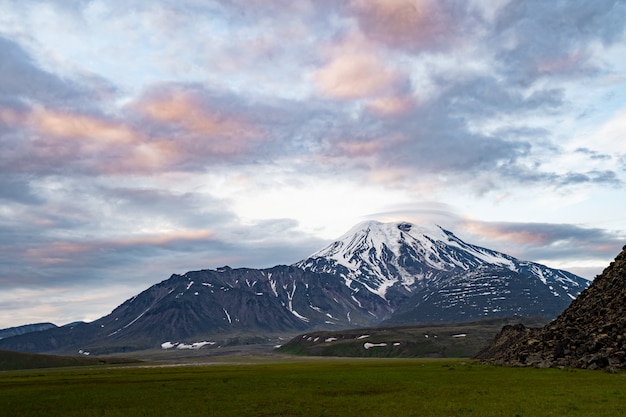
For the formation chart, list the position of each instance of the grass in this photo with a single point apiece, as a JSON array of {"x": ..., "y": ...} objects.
[{"x": 321, "y": 387}]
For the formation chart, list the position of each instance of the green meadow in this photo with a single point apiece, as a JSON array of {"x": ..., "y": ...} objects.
[{"x": 313, "y": 387}]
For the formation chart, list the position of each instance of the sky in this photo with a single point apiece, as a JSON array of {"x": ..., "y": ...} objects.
[{"x": 141, "y": 139}]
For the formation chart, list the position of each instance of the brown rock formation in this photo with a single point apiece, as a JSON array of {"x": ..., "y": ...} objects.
[{"x": 590, "y": 333}]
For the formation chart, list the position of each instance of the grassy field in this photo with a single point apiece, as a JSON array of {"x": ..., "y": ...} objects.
[{"x": 321, "y": 387}]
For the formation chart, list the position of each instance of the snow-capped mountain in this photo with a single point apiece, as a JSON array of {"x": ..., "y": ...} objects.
[
  {"x": 375, "y": 273},
  {"x": 426, "y": 273}
]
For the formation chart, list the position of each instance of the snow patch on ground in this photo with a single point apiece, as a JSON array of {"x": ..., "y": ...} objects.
[
  {"x": 273, "y": 285},
  {"x": 137, "y": 318},
  {"x": 180, "y": 345},
  {"x": 368, "y": 345},
  {"x": 298, "y": 315}
]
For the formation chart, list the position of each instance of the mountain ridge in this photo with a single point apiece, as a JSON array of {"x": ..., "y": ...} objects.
[{"x": 394, "y": 273}]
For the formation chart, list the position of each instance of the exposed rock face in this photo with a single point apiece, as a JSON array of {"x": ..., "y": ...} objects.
[{"x": 590, "y": 333}]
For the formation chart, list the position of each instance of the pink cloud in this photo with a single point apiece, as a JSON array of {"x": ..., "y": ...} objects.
[
  {"x": 98, "y": 131},
  {"x": 56, "y": 253},
  {"x": 355, "y": 76},
  {"x": 67, "y": 252},
  {"x": 54, "y": 138},
  {"x": 357, "y": 69},
  {"x": 162, "y": 239},
  {"x": 10, "y": 116},
  {"x": 518, "y": 236},
  {"x": 199, "y": 127},
  {"x": 391, "y": 105},
  {"x": 170, "y": 130},
  {"x": 352, "y": 148},
  {"x": 411, "y": 24},
  {"x": 99, "y": 144}
]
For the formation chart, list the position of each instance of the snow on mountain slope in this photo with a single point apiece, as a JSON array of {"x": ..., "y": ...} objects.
[{"x": 405, "y": 258}]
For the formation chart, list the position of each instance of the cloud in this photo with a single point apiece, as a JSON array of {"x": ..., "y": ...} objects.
[
  {"x": 97, "y": 132},
  {"x": 82, "y": 253},
  {"x": 544, "y": 177},
  {"x": 181, "y": 108},
  {"x": 16, "y": 188},
  {"x": 187, "y": 127},
  {"x": 548, "y": 241},
  {"x": 392, "y": 105},
  {"x": 80, "y": 226},
  {"x": 356, "y": 69},
  {"x": 412, "y": 25},
  {"x": 355, "y": 76},
  {"x": 599, "y": 177},
  {"x": 545, "y": 39},
  {"x": 608, "y": 137},
  {"x": 434, "y": 142},
  {"x": 175, "y": 129},
  {"x": 48, "y": 141},
  {"x": 593, "y": 154},
  {"x": 154, "y": 210},
  {"x": 210, "y": 127},
  {"x": 451, "y": 131},
  {"x": 22, "y": 80}
]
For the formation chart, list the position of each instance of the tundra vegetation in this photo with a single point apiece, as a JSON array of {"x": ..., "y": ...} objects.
[{"x": 312, "y": 387}]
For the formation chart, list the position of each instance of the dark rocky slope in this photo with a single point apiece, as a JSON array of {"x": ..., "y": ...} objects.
[
  {"x": 28, "y": 328},
  {"x": 590, "y": 333}
]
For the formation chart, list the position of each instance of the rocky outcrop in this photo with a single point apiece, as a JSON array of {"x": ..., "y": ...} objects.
[{"x": 590, "y": 333}]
